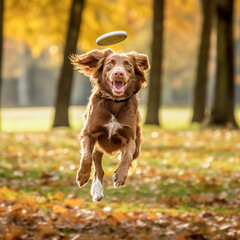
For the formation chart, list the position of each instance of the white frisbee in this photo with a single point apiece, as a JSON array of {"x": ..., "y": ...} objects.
[{"x": 111, "y": 38}]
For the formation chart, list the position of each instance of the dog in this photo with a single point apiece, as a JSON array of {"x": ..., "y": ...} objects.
[{"x": 112, "y": 118}]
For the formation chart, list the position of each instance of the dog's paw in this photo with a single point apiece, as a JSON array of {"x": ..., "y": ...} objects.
[
  {"x": 119, "y": 178},
  {"x": 97, "y": 190},
  {"x": 82, "y": 177}
]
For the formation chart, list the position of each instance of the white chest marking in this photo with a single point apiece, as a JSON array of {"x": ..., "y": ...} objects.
[
  {"x": 97, "y": 190},
  {"x": 112, "y": 126}
]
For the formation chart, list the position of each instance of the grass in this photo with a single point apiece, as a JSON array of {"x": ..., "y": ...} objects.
[
  {"x": 41, "y": 119},
  {"x": 182, "y": 170},
  {"x": 177, "y": 162},
  {"x": 36, "y": 119}
]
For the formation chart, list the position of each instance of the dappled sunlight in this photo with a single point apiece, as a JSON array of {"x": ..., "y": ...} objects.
[
  {"x": 171, "y": 185},
  {"x": 185, "y": 183},
  {"x": 40, "y": 119}
]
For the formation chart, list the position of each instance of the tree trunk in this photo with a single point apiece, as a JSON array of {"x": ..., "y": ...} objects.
[
  {"x": 24, "y": 81},
  {"x": 63, "y": 96},
  {"x": 222, "y": 113},
  {"x": 155, "y": 86},
  {"x": 1, "y": 53},
  {"x": 199, "y": 102}
]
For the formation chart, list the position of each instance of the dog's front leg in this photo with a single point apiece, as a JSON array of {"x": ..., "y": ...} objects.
[
  {"x": 120, "y": 175},
  {"x": 83, "y": 173},
  {"x": 97, "y": 184}
]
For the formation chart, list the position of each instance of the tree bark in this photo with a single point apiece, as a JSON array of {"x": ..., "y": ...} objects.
[
  {"x": 155, "y": 86},
  {"x": 222, "y": 113},
  {"x": 63, "y": 96},
  {"x": 200, "y": 90},
  {"x": 24, "y": 81},
  {"x": 1, "y": 54}
]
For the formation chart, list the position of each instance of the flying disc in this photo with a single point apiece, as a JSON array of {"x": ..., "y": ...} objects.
[{"x": 111, "y": 38}]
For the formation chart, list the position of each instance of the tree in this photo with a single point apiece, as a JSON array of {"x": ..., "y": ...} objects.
[
  {"x": 33, "y": 16},
  {"x": 222, "y": 112},
  {"x": 62, "y": 101},
  {"x": 98, "y": 17},
  {"x": 199, "y": 101},
  {"x": 155, "y": 86},
  {"x": 1, "y": 48}
]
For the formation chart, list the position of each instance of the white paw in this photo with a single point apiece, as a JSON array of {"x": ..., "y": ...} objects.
[{"x": 97, "y": 190}]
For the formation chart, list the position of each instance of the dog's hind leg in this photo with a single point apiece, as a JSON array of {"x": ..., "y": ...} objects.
[
  {"x": 138, "y": 142},
  {"x": 97, "y": 184},
  {"x": 83, "y": 173}
]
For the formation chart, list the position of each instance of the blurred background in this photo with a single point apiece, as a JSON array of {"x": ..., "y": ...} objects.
[
  {"x": 185, "y": 184},
  {"x": 35, "y": 36}
]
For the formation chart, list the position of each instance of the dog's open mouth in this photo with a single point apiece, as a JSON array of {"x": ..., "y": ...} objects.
[{"x": 118, "y": 87}]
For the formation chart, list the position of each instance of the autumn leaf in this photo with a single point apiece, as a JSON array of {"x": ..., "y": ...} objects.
[
  {"x": 7, "y": 193},
  {"x": 181, "y": 237},
  {"x": 46, "y": 231},
  {"x": 112, "y": 221},
  {"x": 153, "y": 216},
  {"x": 59, "y": 196},
  {"x": 169, "y": 195},
  {"x": 74, "y": 202},
  {"x": 15, "y": 233},
  {"x": 122, "y": 216},
  {"x": 59, "y": 209}
]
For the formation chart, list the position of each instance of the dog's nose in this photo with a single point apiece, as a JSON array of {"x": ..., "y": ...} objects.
[{"x": 118, "y": 73}]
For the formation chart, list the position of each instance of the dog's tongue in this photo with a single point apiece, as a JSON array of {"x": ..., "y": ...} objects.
[{"x": 118, "y": 85}]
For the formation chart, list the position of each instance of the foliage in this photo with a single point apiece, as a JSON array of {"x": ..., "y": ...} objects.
[
  {"x": 105, "y": 16},
  {"x": 44, "y": 23},
  {"x": 184, "y": 186},
  {"x": 37, "y": 23},
  {"x": 182, "y": 25}
]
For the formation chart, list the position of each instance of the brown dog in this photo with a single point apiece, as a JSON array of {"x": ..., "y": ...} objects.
[{"x": 112, "y": 116}]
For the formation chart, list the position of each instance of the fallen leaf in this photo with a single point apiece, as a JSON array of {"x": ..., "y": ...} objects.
[
  {"x": 74, "y": 202},
  {"x": 112, "y": 221},
  {"x": 122, "y": 216},
  {"x": 59, "y": 209},
  {"x": 181, "y": 237},
  {"x": 59, "y": 195},
  {"x": 152, "y": 216}
]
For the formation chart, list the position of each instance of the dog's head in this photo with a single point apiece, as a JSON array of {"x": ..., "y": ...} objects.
[{"x": 118, "y": 75}]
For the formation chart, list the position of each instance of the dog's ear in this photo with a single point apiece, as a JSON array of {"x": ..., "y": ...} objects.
[
  {"x": 142, "y": 61},
  {"x": 141, "y": 65},
  {"x": 90, "y": 63}
]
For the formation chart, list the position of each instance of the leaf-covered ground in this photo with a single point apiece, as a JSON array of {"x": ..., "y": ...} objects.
[{"x": 185, "y": 185}]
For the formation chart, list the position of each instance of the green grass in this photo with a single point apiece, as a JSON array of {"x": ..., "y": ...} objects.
[
  {"x": 41, "y": 119},
  {"x": 177, "y": 164},
  {"x": 183, "y": 171},
  {"x": 36, "y": 119},
  {"x": 170, "y": 175}
]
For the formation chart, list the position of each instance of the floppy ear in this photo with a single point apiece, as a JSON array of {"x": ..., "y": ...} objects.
[
  {"x": 90, "y": 63},
  {"x": 141, "y": 65},
  {"x": 142, "y": 61}
]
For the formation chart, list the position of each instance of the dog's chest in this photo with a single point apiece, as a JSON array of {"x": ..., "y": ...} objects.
[{"x": 112, "y": 126}]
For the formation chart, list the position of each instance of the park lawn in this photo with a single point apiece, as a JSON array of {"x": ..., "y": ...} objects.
[
  {"x": 185, "y": 185},
  {"x": 41, "y": 119}
]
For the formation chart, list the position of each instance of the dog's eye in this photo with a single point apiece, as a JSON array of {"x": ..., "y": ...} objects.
[
  {"x": 110, "y": 64},
  {"x": 128, "y": 65}
]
